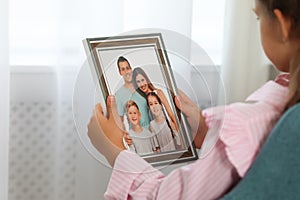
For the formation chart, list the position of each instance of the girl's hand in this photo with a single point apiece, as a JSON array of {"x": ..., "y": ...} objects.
[
  {"x": 194, "y": 117},
  {"x": 106, "y": 133}
]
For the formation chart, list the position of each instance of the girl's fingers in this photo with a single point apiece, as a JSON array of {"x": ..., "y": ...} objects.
[
  {"x": 98, "y": 112},
  {"x": 99, "y": 109},
  {"x": 183, "y": 103},
  {"x": 187, "y": 106},
  {"x": 184, "y": 98},
  {"x": 178, "y": 102},
  {"x": 112, "y": 112}
]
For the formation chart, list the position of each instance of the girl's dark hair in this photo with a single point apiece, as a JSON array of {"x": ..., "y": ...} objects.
[
  {"x": 140, "y": 71},
  {"x": 290, "y": 9},
  {"x": 153, "y": 94},
  {"x": 294, "y": 85}
]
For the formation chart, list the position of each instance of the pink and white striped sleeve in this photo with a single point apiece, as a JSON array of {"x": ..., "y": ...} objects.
[
  {"x": 207, "y": 178},
  {"x": 244, "y": 137},
  {"x": 243, "y": 127}
]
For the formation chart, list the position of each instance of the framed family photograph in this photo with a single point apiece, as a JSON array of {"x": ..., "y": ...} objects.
[{"x": 136, "y": 69}]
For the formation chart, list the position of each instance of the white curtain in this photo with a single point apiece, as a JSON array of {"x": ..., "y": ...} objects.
[
  {"x": 4, "y": 100},
  {"x": 169, "y": 14},
  {"x": 244, "y": 66}
]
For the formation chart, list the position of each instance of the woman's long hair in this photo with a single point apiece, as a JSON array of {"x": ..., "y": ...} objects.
[{"x": 140, "y": 71}]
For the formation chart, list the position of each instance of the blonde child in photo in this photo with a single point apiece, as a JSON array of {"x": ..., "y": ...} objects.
[
  {"x": 164, "y": 129},
  {"x": 142, "y": 138}
]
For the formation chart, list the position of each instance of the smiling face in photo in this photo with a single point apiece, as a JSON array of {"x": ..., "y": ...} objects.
[
  {"x": 133, "y": 115},
  {"x": 125, "y": 71},
  {"x": 142, "y": 83},
  {"x": 155, "y": 107}
]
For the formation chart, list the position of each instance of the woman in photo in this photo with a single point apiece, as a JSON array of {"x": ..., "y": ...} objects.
[{"x": 144, "y": 86}]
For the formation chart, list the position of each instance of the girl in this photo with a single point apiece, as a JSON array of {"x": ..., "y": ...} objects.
[
  {"x": 165, "y": 131},
  {"x": 142, "y": 139},
  {"x": 245, "y": 126},
  {"x": 143, "y": 85}
]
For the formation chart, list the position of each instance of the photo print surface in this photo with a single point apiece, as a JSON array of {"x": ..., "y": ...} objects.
[{"x": 136, "y": 69}]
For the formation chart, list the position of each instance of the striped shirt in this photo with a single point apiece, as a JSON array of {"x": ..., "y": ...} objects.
[{"x": 236, "y": 133}]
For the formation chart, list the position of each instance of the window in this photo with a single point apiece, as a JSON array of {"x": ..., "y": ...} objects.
[
  {"x": 207, "y": 27},
  {"x": 49, "y": 32}
]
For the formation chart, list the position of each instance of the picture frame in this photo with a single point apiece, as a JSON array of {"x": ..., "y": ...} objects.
[{"x": 158, "y": 125}]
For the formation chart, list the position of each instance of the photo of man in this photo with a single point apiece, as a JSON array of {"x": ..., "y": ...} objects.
[{"x": 127, "y": 92}]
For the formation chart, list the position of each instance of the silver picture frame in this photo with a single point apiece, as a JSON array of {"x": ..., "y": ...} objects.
[{"x": 145, "y": 51}]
